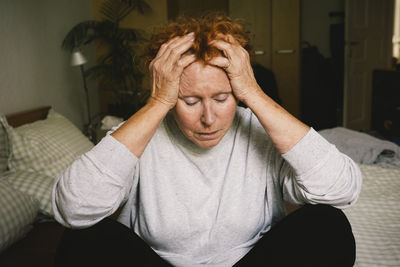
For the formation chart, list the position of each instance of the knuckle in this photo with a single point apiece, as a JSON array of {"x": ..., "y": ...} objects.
[
  {"x": 151, "y": 65},
  {"x": 163, "y": 46},
  {"x": 174, "y": 51},
  {"x": 156, "y": 65},
  {"x": 179, "y": 64}
]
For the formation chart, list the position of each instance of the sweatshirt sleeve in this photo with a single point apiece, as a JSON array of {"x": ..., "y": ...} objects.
[
  {"x": 315, "y": 171},
  {"x": 95, "y": 185}
]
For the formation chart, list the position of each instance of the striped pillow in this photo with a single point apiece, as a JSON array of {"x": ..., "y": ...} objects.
[
  {"x": 4, "y": 151},
  {"x": 38, "y": 186},
  {"x": 17, "y": 213},
  {"x": 46, "y": 146}
]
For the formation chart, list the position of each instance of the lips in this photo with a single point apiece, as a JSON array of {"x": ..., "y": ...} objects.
[{"x": 207, "y": 133}]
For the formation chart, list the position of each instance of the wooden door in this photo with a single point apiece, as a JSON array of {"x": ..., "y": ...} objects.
[
  {"x": 368, "y": 46},
  {"x": 275, "y": 25},
  {"x": 286, "y": 52},
  {"x": 256, "y": 14}
]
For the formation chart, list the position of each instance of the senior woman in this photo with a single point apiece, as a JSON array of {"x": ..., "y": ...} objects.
[{"x": 201, "y": 181}]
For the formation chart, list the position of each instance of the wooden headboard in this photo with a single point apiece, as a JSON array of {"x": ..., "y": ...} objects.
[{"x": 28, "y": 116}]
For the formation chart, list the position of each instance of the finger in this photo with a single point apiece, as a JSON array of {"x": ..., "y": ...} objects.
[
  {"x": 221, "y": 62},
  {"x": 169, "y": 56},
  {"x": 175, "y": 52},
  {"x": 225, "y": 47},
  {"x": 186, "y": 60},
  {"x": 175, "y": 42},
  {"x": 220, "y": 44},
  {"x": 179, "y": 41},
  {"x": 226, "y": 37},
  {"x": 164, "y": 46}
]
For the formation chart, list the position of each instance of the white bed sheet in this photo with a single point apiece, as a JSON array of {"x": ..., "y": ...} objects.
[{"x": 375, "y": 218}]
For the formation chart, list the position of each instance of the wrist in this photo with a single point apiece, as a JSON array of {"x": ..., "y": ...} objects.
[
  {"x": 160, "y": 103},
  {"x": 252, "y": 95}
]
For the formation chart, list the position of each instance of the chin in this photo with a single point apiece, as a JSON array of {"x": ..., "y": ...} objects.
[{"x": 207, "y": 143}]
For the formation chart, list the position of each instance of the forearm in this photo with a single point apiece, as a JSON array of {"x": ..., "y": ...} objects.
[
  {"x": 95, "y": 185},
  {"x": 284, "y": 129},
  {"x": 138, "y": 130},
  {"x": 316, "y": 172},
  {"x": 165, "y": 69}
]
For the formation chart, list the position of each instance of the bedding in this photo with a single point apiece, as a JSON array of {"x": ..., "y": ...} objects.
[
  {"x": 37, "y": 185},
  {"x": 47, "y": 146},
  {"x": 17, "y": 214},
  {"x": 364, "y": 148},
  {"x": 31, "y": 157},
  {"x": 375, "y": 218},
  {"x": 4, "y": 150}
]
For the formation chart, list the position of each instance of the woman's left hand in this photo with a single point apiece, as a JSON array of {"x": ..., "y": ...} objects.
[{"x": 237, "y": 65}]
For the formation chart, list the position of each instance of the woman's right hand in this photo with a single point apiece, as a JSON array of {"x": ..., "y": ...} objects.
[{"x": 167, "y": 67}]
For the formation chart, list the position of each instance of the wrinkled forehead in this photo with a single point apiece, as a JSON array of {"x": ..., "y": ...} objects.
[{"x": 199, "y": 78}]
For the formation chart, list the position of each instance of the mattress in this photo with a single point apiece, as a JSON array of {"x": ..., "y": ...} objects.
[{"x": 375, "y": 217}]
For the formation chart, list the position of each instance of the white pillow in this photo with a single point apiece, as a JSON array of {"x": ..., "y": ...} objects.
[
  {"x": 46, "y": 146},
  {"x": 17, "y": 213}
]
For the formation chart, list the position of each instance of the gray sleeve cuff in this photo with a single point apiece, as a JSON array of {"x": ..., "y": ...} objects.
[
  {"x": 114, "y": 156},
  {"x": 309, "y": 152}
]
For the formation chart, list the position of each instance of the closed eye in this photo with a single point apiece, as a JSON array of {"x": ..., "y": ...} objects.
[
  {"x": 221, "y": 98},
  {"x": 190, "y": 101}
]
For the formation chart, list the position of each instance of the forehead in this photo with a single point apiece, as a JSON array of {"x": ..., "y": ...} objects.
[{"x": 200, "y": 79}]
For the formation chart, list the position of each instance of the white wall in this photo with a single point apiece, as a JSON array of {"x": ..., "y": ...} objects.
[
  {"x": 315, "y": 22},
  {"x": 34, "y": 70}
]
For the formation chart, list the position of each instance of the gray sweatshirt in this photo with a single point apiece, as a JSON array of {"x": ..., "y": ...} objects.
[{"x": 197, "y": 206}]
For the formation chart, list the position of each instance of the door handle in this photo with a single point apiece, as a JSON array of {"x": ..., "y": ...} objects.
[{"x": 285, "y": 51}]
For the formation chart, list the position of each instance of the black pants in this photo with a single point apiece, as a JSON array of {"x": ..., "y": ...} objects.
[{"x": 315, "y": 235}]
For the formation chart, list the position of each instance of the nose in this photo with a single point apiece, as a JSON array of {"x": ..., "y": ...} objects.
[{"x": 208, "y": 115}]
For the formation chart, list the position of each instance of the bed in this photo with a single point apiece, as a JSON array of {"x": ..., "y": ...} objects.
[
  {"x": 35, "y": 145},
  {"x": 375, "y": 217}
]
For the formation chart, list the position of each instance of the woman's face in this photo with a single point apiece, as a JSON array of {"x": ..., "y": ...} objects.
[{"x": 206, "y": 106}]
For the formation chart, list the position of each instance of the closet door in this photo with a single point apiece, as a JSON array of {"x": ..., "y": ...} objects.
[
  {"x": 286, "y": 52},
  {"x": 256, "y": 14},
  {"x": 275, "y": 25}
]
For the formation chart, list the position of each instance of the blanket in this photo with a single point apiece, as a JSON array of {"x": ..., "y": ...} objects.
[{"x": 364, "y": 148}]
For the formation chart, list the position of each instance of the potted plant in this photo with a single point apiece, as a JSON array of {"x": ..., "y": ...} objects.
[{"x": 118, "y": 65}]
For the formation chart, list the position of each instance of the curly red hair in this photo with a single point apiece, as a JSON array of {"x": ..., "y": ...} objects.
[{"x": 206, "y": 28}]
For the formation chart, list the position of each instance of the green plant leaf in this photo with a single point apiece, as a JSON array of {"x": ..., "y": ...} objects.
[
  {"x": 79, "y": 35},
  {"x": 118, "y": 66}
]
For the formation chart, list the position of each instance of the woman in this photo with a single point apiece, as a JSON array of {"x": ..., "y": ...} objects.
[{"x": 202, "y": 181}]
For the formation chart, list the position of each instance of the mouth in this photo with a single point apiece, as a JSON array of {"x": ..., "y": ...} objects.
[{"x": 207, "y": 134}]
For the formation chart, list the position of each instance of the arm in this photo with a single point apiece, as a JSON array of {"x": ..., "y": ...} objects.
[
  {"x": 166, "y": 70},
  {"x": 137, "y": 131},
  {"x": 96, "y": 184},
  {"x": 282, "y": 127},
  {"x": 314, "y": 171}
]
